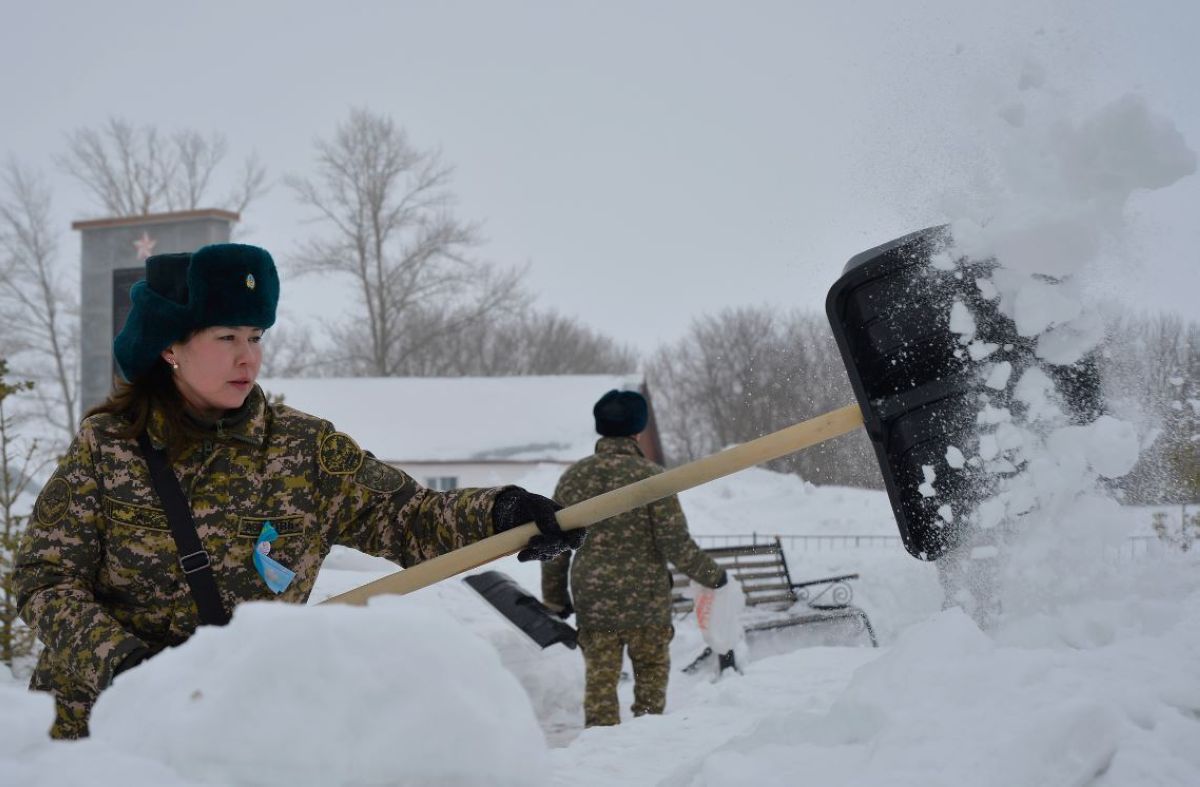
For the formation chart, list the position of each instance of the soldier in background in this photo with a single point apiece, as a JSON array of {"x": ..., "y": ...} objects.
[
  {"x": 619, "y": 580},
  {"x": 100, "y": 576}
]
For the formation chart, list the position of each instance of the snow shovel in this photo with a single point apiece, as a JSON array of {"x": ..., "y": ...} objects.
[
  {"x": 522, "y": 609},
  {"x": 916, "y": 381},
  {"x": 889, "y": 311},
  {"x": 922, "y": 380}
]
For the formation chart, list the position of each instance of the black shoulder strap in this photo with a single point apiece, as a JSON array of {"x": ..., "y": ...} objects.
[{"x": 193, "y": 559}]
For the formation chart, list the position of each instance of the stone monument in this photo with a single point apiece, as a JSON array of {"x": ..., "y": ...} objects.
[{"x": 113, "y": 255}]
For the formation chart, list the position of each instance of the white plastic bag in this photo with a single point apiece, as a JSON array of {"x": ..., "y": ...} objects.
[{"x": 718, "y": 613}]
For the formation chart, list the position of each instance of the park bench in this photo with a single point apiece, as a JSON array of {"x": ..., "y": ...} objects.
[{"x": 773, "y": 600}]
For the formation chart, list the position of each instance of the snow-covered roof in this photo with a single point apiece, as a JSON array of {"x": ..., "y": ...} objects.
[{"x": 447, "y": 419}]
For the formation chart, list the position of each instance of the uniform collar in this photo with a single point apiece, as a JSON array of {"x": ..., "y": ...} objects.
[
  {"x": 618, "y": 445},
  {"x": 247, "y": 424}
]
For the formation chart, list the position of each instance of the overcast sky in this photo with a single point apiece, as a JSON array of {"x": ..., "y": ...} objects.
[{"x": 649, "y": 161}]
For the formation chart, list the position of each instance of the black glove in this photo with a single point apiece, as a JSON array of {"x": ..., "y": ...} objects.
[
  {"x": 566, "y": 611},
  {"x": 514, "y": 506},
  {"x": 722, "y": 580}
]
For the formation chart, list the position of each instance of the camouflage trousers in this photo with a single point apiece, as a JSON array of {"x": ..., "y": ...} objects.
[
  {"x": 72, "y": 707},
  {"x": 649, "y": 651}
]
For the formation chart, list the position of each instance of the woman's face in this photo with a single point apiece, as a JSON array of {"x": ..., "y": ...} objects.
[{"x": 216, "y": 367}]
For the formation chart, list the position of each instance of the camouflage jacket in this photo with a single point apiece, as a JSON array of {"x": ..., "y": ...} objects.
[
  {"x": 98, "y": 575},
  {"x": 619, "y": 578}
]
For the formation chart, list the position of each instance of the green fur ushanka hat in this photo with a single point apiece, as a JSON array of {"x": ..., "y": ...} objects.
[
  {"x": 222, "y": 284},
  {"x": 621, "y": 413}
]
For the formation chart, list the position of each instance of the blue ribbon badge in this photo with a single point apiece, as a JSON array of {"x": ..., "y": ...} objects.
[{"x": 276, "y": 575}]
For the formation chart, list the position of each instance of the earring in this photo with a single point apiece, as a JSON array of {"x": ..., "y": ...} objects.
[{"x": 174, "y": 365}]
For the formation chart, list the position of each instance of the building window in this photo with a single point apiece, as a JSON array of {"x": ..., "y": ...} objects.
[{"x": 442, "y": 483}]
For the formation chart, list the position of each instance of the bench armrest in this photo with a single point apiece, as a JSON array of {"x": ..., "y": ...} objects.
[{"x": 826, "y": 581}]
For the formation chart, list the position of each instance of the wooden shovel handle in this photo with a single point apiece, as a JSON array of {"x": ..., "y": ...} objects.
[{"x": 618, "y": 501}]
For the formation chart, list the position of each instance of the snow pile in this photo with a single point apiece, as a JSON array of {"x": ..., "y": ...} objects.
[
  {"x": 949, "y": 706},
  {"x": 387, "y": 694},
  {"x": 30, "y": 759}
]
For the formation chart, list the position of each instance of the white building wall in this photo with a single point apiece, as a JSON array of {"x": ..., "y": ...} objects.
[{"x": 470, "y": 474}]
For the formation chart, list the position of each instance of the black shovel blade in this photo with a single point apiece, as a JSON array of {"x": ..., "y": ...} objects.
[
  {"x": 918, "y": 391},
  {"x": 522, "y": 609}
]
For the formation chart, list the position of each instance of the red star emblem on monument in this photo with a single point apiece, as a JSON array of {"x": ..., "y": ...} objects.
[{"x": 144, "y": 246}]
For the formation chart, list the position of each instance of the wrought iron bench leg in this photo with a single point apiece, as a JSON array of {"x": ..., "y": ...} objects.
[{"x": 870, "y": 629}]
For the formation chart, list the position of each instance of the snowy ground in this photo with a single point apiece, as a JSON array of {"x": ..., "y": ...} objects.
[{"x": 1100, "y": 687}]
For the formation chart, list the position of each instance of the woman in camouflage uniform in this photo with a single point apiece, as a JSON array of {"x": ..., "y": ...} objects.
[
  {"x": 99, "y": 576},
  {"x": 619, "y": 579}
]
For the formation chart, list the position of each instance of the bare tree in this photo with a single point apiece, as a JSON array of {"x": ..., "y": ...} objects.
[
  {"x": 747, "y": 372},
  {"x": 293, "y": 352},
  {"x": 17, "y": 468},
  {"x": 1151, "y": 368},
  {"x": 387, "y": 209},
  {"x": 38, "y": 313},
  {"x": 546, "y": 342},
  {"x": 132, "y": 172},
  {"x": 527, "y": 342}
]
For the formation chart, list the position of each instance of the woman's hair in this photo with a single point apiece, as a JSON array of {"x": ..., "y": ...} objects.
[{"x": 134, "y": 401}]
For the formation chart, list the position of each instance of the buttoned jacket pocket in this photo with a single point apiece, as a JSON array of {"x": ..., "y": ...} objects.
[{"x": 141, "y": 562}]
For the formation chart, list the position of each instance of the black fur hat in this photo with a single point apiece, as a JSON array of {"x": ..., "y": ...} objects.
[
  {"x": 621, "y": 413},
  {"x": 221, "y": 284}
]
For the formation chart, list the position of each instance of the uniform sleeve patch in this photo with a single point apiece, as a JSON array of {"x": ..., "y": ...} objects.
[
  {"x": 379, "y": 476},
  {"x": 339, "y": 454},
  {"x": 53, "y": 502}
]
